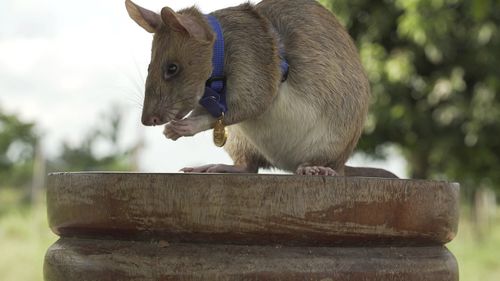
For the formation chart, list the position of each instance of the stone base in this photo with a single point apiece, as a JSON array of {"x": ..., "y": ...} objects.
[{"x": 101, "y": 260}]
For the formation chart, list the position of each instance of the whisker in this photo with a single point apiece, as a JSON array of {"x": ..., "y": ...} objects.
[
  {"x": 171, "y": 114},
  {"x": 130, "y": 92},
  {"x": 181, "y": 100},
  {"x": 134, "y": 99},
  {"x": 139, "y": 72},
  {"x": 139, "y": 83}
]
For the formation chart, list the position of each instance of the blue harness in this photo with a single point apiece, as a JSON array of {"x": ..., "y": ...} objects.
[{"x": 214, "y": 98}]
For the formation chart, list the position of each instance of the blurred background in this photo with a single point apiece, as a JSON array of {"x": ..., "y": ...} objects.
[{"x": 71, "y": 89}]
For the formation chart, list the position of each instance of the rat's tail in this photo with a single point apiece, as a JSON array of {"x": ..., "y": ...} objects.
[{"x": 367, "y": 172}]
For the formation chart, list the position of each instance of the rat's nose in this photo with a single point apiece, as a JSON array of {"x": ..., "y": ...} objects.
[{"x": 151, "y": 121}]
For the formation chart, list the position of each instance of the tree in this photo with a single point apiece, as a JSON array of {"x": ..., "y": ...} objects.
[
  {"x": 85, "y": 157},
  {"x": 17, "y": 145},
  {"x": 22, "y": 162},
  {"x": 433, "y": 65}
]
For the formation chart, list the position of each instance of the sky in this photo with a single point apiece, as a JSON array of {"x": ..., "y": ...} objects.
[{"x": 63, "y": 64}]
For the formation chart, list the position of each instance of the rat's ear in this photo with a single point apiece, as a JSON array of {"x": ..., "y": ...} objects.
[
  {"x": 147, "y": 19},
  {"x": 184, "y": 24}
]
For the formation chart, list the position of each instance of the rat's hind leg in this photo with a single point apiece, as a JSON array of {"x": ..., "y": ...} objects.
[
  {"x": 325, "y": 166},
  {"x": 311, "y": 170},
  {"x": 245, "y": 156}
]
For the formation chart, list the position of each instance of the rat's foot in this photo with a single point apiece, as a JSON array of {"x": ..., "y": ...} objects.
[
  {"x": 316, "y": 171},
  {"x": 216, "y": 168}
]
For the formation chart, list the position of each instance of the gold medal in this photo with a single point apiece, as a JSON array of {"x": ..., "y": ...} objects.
[{"x": 220, "y": 132}]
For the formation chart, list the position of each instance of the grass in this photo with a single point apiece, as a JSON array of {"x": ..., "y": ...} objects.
[
  {"x": 478, "y": 259},
  {"x": 24, "y": 238}
]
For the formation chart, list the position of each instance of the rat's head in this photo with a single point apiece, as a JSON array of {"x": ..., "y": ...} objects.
[{"x": 181, "y": 61}]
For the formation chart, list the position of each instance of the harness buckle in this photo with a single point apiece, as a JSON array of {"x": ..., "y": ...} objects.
[{"x": 220, "y": 83}]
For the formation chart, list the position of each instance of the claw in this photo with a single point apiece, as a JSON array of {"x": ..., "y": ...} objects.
[{"x": 316, "y": 171}]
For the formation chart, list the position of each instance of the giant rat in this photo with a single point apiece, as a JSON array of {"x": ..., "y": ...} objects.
[{"x": 308, "y": 122}]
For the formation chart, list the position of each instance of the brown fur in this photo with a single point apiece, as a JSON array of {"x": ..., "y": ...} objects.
[
  {"x": 314, "y": 118},
  {"x": 166, "y": 100}
]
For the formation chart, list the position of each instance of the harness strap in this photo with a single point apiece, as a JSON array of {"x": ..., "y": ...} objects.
[{"x": 214, "y": 98}]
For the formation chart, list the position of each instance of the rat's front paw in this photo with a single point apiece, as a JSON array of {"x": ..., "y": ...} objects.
[
  {"x": 170, "y": 132},
  {"x": 185, "y": 128},
  {"x": 179, "y": 128}
]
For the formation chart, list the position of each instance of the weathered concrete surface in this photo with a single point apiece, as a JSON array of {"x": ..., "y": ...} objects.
[
  {"x": 253, "y": 209},
  {"x": 101, "y": 260}
]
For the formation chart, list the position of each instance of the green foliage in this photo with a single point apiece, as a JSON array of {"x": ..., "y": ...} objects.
[
  {"x": 85, "y": 156},
  {"x": 433, "y": 65},
  {"x": 17, "y": 145},
  {"x": 18, "y": 140}
]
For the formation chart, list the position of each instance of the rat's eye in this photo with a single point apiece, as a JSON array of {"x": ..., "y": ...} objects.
[{"x": 170, "y": 70}]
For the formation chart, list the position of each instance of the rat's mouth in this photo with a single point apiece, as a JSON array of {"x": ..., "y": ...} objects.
[
  {"x": 182, "y": 109},
  {"x": 181, "y": 114},
  {"x": 159, "y": 119}
]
